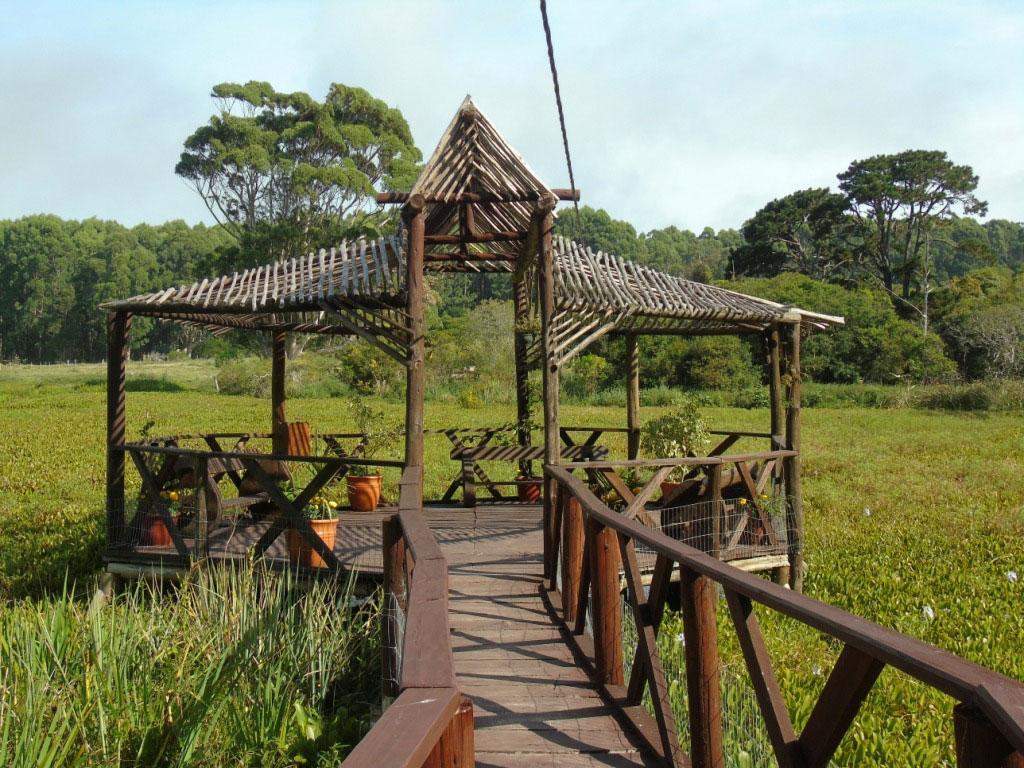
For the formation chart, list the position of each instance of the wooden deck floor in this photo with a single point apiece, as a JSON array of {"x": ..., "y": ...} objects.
[{"x": 534, "y": 705}]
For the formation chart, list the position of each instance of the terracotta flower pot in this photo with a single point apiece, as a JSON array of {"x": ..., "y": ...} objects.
[
  {"x": 363, "y": 492},
  {"x": 154, "y": 531},
  {"x": 299, "y": 550},
  {"x": 529, "y": 489},
  {"x": 668, "y": 488}
]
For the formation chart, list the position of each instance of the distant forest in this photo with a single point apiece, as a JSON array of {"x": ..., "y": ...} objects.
[{"x": 931, "y": 292}]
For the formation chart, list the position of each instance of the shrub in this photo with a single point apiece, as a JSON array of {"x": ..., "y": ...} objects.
[
  {"x": 683, "y": 432},
  {"x": 244, "y": 376}
]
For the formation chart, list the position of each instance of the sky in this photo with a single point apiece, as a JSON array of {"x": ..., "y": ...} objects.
[{"x": 690, "y": 114}]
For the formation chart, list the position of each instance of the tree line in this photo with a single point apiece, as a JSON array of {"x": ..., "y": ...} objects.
[{"x": 929, "y": 290}]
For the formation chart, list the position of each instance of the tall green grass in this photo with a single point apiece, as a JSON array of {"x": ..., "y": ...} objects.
[{"x": 229, "y": 667}]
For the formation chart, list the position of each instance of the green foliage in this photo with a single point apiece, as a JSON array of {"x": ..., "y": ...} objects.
[
  {"x": 874, "y": 345},
  {"x": 287, "y": 174},
  {"x": 232, "y": 668},
  {"x": 681, "y": 432},
  {"x": 379, "y": 435},
  {"x": 585, "y": 376}
]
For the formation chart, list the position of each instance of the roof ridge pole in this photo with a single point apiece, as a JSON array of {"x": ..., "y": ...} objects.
[
  {"x": 544, "y": 212},
  {"x": 415, "y": 375}
]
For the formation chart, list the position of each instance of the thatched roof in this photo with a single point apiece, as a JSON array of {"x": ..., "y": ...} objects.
[{"x": 474, "y": 182}]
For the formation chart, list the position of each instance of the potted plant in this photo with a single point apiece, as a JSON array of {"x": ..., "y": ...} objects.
[
  {"x": 323, "y": 518},
  {"x": 682, "y": 432},
  {"x": 378, "y": 436},
  {"x": 154, "y": 529},
  {"x": 529, "y": 487}
]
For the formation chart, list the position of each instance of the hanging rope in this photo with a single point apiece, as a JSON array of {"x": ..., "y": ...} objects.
[{"x": 561, "y": 112}]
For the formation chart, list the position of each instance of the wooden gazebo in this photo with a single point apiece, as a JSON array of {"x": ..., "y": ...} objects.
[{"x": 476, "y": 206}]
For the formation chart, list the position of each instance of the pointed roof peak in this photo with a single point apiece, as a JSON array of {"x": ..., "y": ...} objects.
[{"x": 472, "y": 156}]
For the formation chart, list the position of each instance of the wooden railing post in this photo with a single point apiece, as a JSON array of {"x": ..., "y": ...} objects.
[
  {"x": 607, "y": 618},
  {"x": 455, "y": 748},
  {"x": 200, "y": 473},
  {"x": 979, "y": 744},
  {"x": 572, "y": 556},
  {"x": 118, "y": 328},
  {"x": 394, "y": 595},
  {"x": 700, "y": 632}
]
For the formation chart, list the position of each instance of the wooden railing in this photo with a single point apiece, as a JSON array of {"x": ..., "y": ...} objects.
[
  {"x": 194, "y": 468},
  {"x": 429, "y": 723},
  {"x": 594, "y": 541}
]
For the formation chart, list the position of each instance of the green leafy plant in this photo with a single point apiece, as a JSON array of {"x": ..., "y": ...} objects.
[
  {"x": 682, "y": 432},
  {"x": 379, "y": 436}
]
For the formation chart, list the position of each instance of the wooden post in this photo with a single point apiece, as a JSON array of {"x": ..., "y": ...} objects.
[
  {"x": 773, "y": 343},
  {"x": 278, "y": 419},
  {"x": 717, "y": 511},
  {"x": 607, "y": 618},
  {"x": 794, "y": 492},
  {"x": 700, "y": 631},
  {"x": 118, "y": 328},
  {"x": 455, "y": 748},
  {"x": 572, "y": 556},
  {"x": 200, "y": 472},
  {"x": 415, "y": 374},
  {"x": 393, "y": 545},
  {"x": 633, "y": 397},
  {"x": 979, "y": 744},
  {"x": 522, "y": 316},
  {"x": 552, "y": 440}
]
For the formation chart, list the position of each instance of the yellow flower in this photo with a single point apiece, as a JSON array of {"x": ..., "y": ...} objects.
[
  {"x": 332, "y": 504},
  {"x": 742, "y": 502},
  {"x": 173, "y": 496},
  {"x": 764, "y": 495}
]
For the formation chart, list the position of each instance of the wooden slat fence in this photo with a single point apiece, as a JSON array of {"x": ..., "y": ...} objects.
[{"x": 988, "y": 717}]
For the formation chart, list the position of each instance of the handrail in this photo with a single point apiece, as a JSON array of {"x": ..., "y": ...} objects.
[
  {"x": 1000, "y": 698},
  {"x": 146, "y": 447},
  {"x": 429, "y": 717},
  {"x": 681, "y": 461}
]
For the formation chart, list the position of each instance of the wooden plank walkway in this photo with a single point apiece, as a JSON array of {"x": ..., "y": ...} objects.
[{"x": 534, "y": 705}]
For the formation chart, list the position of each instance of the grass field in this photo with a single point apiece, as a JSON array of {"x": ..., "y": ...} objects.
[{"x": 915, "y": 519}]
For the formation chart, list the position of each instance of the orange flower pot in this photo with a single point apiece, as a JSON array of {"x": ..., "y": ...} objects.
[
  {"x": 363, "y": 492},
  {"x": 154, "y": 531},
  {"x": 668, "y": 487},
  {"x": 299, "y": 550}
]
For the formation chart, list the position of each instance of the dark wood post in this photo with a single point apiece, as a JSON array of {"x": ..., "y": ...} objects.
[
  {"x": 455, "y": 748},
  {"x": 200, "y": 473},
  {"x": 633, "y": 396},
  {"x": 572, "y": 557},
  {"x": 773, "y": 343},
  {"x": 979, "y": 744},
  {"x": 393, "y": 544},
  {"x": 607, "y": 618},
  {"x": 794, "y": 492},
  {"x": 118, "y": 329},
  {"x": 522, "y": 317},
  {"x": 717, "y": 511},
  {"x": 278, "y": 419},
  {"x": 552, "y": 440},
  {"x": 700, "y": 632},
  {"x": 415, "y": 373}
]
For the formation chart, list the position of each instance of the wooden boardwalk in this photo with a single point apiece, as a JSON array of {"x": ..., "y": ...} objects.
[{"x": 534, "y": 704}]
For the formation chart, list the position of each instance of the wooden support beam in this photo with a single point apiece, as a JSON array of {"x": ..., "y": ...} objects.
[
  {"x": 415, "y": 375},
  {"x": 118, "y": 335},
  {"x": 845, "y": 690},
  {"x": 572, "y": 556},
  {"x": 792, "y": 464},
  {"x": 607, "y": 618},
  {"x": 699, "y": 600},
  {"x": 479, "y": 237},
  {"x": 979, "y": 744},
  {"x": 278, "y": 417},
  {"x": 549, "y": 376},
  {"x": 394, "y": 599},
  {"x": 773, "y": 345},
  {"x": 633, "y": 396}
]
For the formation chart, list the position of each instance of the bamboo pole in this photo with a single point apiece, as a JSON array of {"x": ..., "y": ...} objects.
[
  {"x": 633, "y": 396},
  {"x": 522, "y": 311},
  {"x": 118, "y": 335}
]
